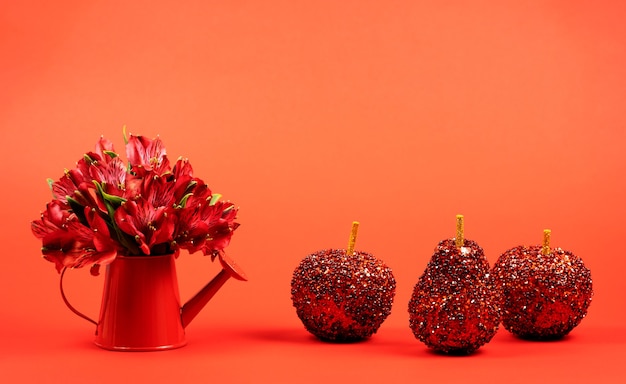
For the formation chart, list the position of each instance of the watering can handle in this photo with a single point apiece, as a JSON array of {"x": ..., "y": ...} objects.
[{"x": 70, "y": 306}]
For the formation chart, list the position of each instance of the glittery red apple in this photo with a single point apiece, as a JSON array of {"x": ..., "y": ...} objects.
[
  {"x": 454, "y": 308},
  {"x": 342, "y": 295},
  {"x": 546, "y": 291}
]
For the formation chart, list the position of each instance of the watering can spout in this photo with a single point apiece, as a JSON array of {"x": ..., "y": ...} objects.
[{"x": 197, "y": 302}]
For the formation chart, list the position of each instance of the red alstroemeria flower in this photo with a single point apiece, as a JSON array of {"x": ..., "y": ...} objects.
[
  {"x": 52, "y": 219},
  {"x": 104, "y": 167},
  {"x": 102, "y": 240},
  {"x": 170, "y": 189},
  {"x": 111, "y": 175},
  {"x": 221, "y": 230},
  {"x": 158, "y": 191},
  {"x": 149, "y": 225},
  {"x": 184, "y": 182},
  {"x": 68, "y": 243},
  {"x": 205, "y": 225},
  {"x": 69, "y": 184},
  {"x": 104, "y": 206},
  {"x": 104, "y": 146},
  {"x": 145, "y": 155},
  {"x": 76, "y": 187}
]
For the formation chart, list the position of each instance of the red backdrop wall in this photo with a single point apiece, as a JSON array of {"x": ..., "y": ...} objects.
[{"x": 309, "y": 115}]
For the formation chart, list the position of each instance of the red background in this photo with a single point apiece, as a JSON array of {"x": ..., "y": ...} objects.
[{"x": 309, "y": 115}]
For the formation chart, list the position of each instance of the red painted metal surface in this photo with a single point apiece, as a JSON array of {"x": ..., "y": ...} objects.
[
  {"x": 140, "y": 305},
  {"x": 141, "y": 308}
]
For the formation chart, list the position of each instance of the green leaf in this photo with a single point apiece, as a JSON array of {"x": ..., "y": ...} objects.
[
  {"x": 111, "y": 199},
  {"x": 111, "y": 154},
  {"x": 214, "y": 198},
  {"x": 192, "y": 184},
  {"x": 78, "y": 209},
  {"x": 183, "y": 201},
  {"x": 123, "y": 238},
  {"x": 50, "y": 183}
]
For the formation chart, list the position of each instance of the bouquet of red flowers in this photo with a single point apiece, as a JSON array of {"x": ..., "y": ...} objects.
[{"x": 105, "y": 207}]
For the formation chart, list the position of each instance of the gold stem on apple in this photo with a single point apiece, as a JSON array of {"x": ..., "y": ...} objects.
[
  {"x": 352, "y": 240},
  {"x": 459, "y": 231},
  {"x": 545, "y": 247}
]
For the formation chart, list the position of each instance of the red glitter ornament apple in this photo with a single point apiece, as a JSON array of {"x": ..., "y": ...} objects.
[
  {"x": 342, "y": 295},
  {"x": 454, "y": 308},
  {"x": 546, "y": 291}
]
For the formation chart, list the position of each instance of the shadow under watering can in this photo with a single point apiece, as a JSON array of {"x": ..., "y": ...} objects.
[{"x": 141, "y": 308}]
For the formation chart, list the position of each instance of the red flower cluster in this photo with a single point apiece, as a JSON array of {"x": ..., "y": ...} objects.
[{"x": 105, "y": 207}]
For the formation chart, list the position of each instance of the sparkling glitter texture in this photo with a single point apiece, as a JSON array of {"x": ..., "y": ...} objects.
[
  {"x": 544, "y": 296},
  {"x": 454, "y": 308},
  {"x": 342, "y": 298}
]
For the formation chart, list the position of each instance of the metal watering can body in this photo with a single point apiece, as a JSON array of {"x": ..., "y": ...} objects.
[{"x": 141, "y": 308}]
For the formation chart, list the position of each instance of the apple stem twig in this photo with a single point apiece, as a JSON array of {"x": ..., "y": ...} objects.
[
  {"x": 352, "y": 240},
  {"x": 459, "y": 231},
  {"x": 545, "y": 246}
]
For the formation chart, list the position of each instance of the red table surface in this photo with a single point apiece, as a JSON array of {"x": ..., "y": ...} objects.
[
  {"x": 250, "y": 352},
  {"x": 309, "y": 115}
]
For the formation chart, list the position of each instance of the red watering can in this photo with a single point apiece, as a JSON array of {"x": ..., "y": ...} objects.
[{"x": 141, "y": 309}]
